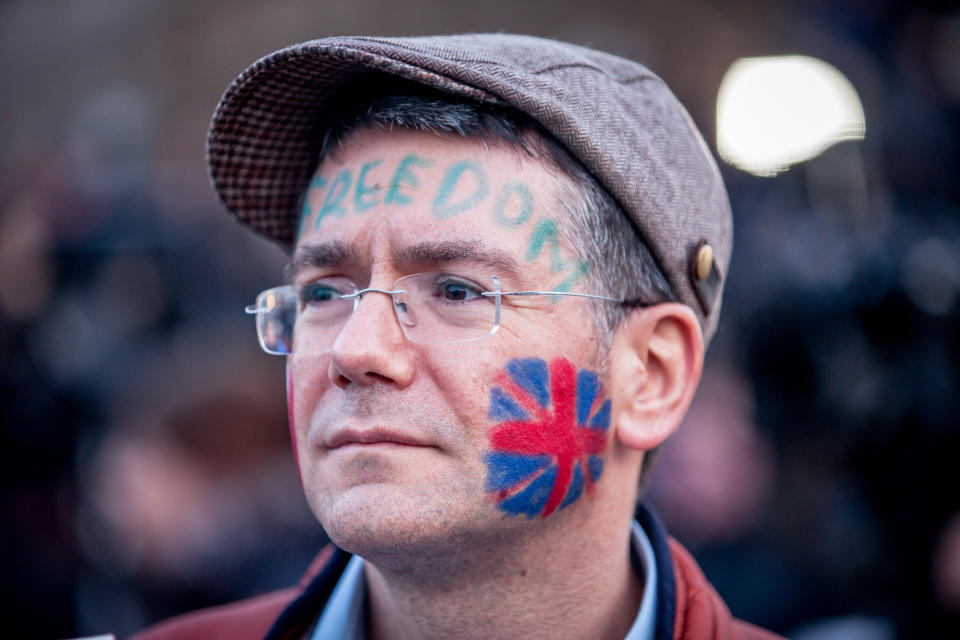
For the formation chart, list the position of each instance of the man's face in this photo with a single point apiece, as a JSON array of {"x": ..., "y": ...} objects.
[{"x": 404, "y": 445}]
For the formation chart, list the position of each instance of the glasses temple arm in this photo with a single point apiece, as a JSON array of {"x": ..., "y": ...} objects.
[{"x": 556, "y": 293}]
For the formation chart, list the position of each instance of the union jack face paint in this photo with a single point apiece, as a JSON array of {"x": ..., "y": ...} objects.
[{"x": 547, "y": 447}]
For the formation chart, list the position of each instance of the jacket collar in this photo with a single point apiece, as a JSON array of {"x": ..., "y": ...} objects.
[{"x": 666, "y": 581}]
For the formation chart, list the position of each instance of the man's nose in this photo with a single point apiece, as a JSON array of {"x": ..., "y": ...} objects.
[{"x": 371, "y": 347}]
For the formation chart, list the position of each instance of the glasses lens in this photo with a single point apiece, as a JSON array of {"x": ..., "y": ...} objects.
[
  {"x": 438, "y": 308},
  {"x": 276, "y": 310},
  {"x": 322, "y": 310},
  {"x": 432, "y": 308}
]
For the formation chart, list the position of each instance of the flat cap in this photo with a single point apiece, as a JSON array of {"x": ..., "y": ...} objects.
[{"x": 615, "y": 116}]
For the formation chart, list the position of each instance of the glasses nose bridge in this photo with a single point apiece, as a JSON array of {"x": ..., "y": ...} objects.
[{"x": 357, "y": 296}]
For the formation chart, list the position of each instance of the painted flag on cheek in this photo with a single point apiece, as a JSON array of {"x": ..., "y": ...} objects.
[{"x": 546, "y": 448}]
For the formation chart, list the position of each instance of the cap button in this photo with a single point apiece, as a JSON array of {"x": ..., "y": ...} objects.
[
  {"x": 705, "y": 277},
  {"x": 704, "y": 262}
]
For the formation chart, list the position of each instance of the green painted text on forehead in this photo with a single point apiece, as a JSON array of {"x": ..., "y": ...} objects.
[{"x": 464, "y": 186}]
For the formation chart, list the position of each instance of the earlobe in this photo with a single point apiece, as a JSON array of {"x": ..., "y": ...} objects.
[{"x": 656, "y": 358}]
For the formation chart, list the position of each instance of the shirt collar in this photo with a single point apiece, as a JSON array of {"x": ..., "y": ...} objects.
[{"x": 343, "y": 617}]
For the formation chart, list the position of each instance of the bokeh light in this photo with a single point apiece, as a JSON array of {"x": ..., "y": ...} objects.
[{"x": 776, "y": 112}]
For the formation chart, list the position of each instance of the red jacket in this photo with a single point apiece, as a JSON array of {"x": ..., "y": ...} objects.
[{"x": 688, "y": 609}]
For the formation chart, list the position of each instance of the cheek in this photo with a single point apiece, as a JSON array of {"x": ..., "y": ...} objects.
[
  {"x": 307, "y": 380},
  {"x": 463, "y": 383},
  {"x": 291, "y": 419},
  {"x": 547, "y": 444}
]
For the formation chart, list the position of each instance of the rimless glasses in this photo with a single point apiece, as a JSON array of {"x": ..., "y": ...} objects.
[{"x": 431, "y": 308}]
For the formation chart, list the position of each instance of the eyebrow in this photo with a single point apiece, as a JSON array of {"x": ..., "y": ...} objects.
[
  {"x": 320, "y": 254},
  {"x": 453, "y": 251},
  {"x": 333, "y": 254}
]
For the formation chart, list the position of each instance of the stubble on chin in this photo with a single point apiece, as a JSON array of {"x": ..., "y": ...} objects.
[{"x": 382, "y": 520}]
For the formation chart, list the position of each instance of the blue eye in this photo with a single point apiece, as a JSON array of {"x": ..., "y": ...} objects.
[{"x": 318, "y": 292}]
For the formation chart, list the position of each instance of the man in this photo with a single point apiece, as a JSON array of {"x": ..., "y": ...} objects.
[{"x": 507, "y": 259}]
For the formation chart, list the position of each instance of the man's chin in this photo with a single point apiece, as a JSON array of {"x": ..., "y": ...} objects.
[{"x": 380, "y": 519}]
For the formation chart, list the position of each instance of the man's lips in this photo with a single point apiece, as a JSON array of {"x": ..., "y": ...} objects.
[{"x": 372, "y": 437}]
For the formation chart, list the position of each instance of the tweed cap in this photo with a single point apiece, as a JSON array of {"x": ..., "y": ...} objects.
[{"x": 615, "y": 116}]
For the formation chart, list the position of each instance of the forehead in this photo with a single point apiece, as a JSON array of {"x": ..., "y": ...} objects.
[{"x": 384, "y": 192}]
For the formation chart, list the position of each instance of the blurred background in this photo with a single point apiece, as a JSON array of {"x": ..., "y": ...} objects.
[{"x": 146, "y": 461}]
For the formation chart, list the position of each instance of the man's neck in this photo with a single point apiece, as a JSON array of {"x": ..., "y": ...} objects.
[{"x": 554, "y": 586}]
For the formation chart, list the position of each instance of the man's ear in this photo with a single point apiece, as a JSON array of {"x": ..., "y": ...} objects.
[{"x": 655, "y": 362}]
